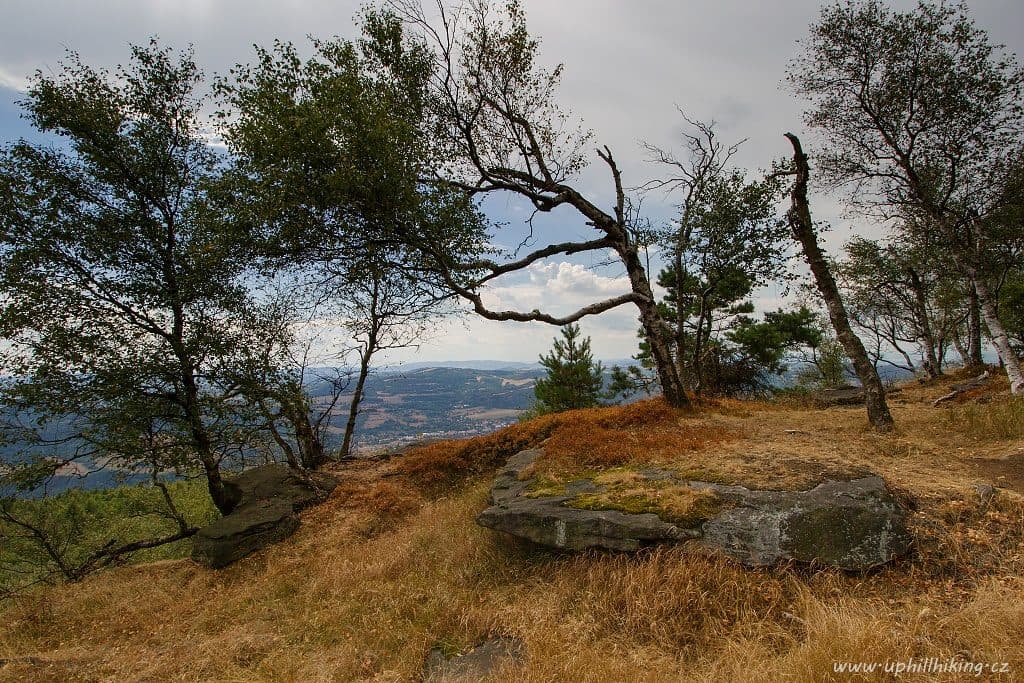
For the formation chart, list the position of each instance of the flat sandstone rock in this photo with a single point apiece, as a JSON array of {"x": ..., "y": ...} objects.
[{"x": 852, "y": 524}]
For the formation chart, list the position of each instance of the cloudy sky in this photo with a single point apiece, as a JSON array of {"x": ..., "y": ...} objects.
[{"x": 628, "y": 65}]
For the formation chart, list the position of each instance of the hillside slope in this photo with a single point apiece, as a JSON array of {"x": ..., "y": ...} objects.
[{"x": 393, "y": 565}]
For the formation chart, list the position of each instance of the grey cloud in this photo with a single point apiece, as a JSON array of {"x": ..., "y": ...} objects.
[{"x": 627, "y": 65}]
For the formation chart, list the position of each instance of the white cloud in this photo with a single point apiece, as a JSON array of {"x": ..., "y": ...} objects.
[
  {"x": 554, "y": 287},
  {"x": 572, "y": 279},
  {"x": 12, "y": 82}
]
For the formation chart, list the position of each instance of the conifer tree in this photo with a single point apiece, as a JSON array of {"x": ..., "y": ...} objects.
[{"x": 573, "y": 379}]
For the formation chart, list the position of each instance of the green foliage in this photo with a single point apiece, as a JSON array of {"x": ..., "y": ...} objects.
[
  {"x": 330, "y": 167},
  {"x": 78, "y": 522},
  {"x": 826, "y": 367},
  {"x": 744, "y": 358},
  {"x": 923, "y": 120},
  {"x": 332, "y": 157},
  {"x": 754, "y": 351},
  {"x": 573, "y": 379},
  {"x": 903, "y": 298},
  {"x": 124, "y": 293},
  {"x": 921, "y": 111},
  {"x": 632, "y": 380},
  {"x": 725, "y": 244}
]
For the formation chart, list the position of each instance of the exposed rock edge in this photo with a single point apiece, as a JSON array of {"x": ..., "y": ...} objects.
[
  {"x": 269, "y": 498},
  {"x": 853, "y": 524}
]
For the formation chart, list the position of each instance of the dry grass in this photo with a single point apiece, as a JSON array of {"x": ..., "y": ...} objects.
[
  {"x": 644, "y": 432},
  {"x": 446, "y": 461},
  {"x": 393, "y": 565},
  {"x": 575, "y": 441},
  {"x": 1000, "y": 418},
  {"x": 332, "y": 604}
]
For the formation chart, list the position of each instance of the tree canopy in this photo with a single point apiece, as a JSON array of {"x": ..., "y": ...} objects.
[
  {"x": 124, "y": 295},
  {"x": 573, "y": 379},
  {"x": 922, "y": 119}
]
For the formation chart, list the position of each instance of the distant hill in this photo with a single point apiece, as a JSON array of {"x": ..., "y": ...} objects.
[
  {"x": 439, "y": 401},
  {"x": 462, "y": 364},
  {"x": 399, "y": 406}
]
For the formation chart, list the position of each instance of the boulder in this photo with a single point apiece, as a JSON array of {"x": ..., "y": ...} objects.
[
  {"x": 244, "y": 531},
  {"x": 478, "y": 663},
  {"x": 852, "y": 524},
  {"x": 547, "y": 520},
  {"x": 980, "y": 382},
  {"x": 269, "y": 498},
  {"x": 278, "y": 481},
  {"x": 839, "y": 396}
]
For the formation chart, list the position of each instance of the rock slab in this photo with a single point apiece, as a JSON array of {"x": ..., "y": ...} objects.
[
  {"x": 853, "y": 524},
  {"x": 269, "y": 498},
  {"x": 548, "y": 521},
  {"x": 481, "y": 661},
  {"x": 840, "y": 396}
]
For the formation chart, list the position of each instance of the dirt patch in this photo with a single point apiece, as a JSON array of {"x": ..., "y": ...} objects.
[{"x": 1007, "y": 473}]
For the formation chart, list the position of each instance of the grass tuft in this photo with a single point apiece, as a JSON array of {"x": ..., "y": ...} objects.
[{"x": 1001, "y": 418}]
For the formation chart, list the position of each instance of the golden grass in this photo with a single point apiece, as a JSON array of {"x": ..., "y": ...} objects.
[
  {"x": 331, "y": 604},
  {"x": 1000, "y": 418},
  {"x": 643, "y": 432},
  {"x": 574, "y": 441},
  {"x": 393, "y": 565},
  {"x": 443, "y": 461}
]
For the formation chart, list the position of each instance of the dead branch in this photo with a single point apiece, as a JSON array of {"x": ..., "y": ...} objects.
[{"x": 976, "y": 383}]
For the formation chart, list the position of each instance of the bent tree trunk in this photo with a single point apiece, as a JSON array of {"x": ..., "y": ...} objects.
[
  {"x": 656, "y": 331},
  {"x": 998, "y": 334},
  {"x": 311, "y": 447},
  {"x": 803, "y": 230},
  {"x": 661, "y": 353},
  {"x": 225, "y": 496},
  {"x": 373, "y": 333},
  {"x": 616, "y": 236}
]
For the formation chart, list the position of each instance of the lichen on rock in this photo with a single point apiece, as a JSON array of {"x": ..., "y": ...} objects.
[{"x": 852, "y": 524}]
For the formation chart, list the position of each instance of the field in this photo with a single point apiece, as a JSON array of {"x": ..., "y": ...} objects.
[{"x": 393, "y": 565}]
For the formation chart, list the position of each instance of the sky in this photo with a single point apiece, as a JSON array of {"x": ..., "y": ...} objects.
[{"x": 629, "y": 66}]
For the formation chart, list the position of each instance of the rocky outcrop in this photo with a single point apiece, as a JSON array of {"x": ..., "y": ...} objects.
[
  {"x": 855, "y": 524},
  {"x": 839, "y": 396},
  {"x": 547, "y": 520},
  {"x": 269, "y": 498},
  {"x": 483, "y": 660},
  {"x": 852, "y": 524},
  {"x": 980, "y": 382}
]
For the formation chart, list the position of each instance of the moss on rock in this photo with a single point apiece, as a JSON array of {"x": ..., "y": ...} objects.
[{"x": 678, "y": 504}]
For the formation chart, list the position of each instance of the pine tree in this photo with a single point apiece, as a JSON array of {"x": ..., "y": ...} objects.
[{"x": 573, "y": 379}]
